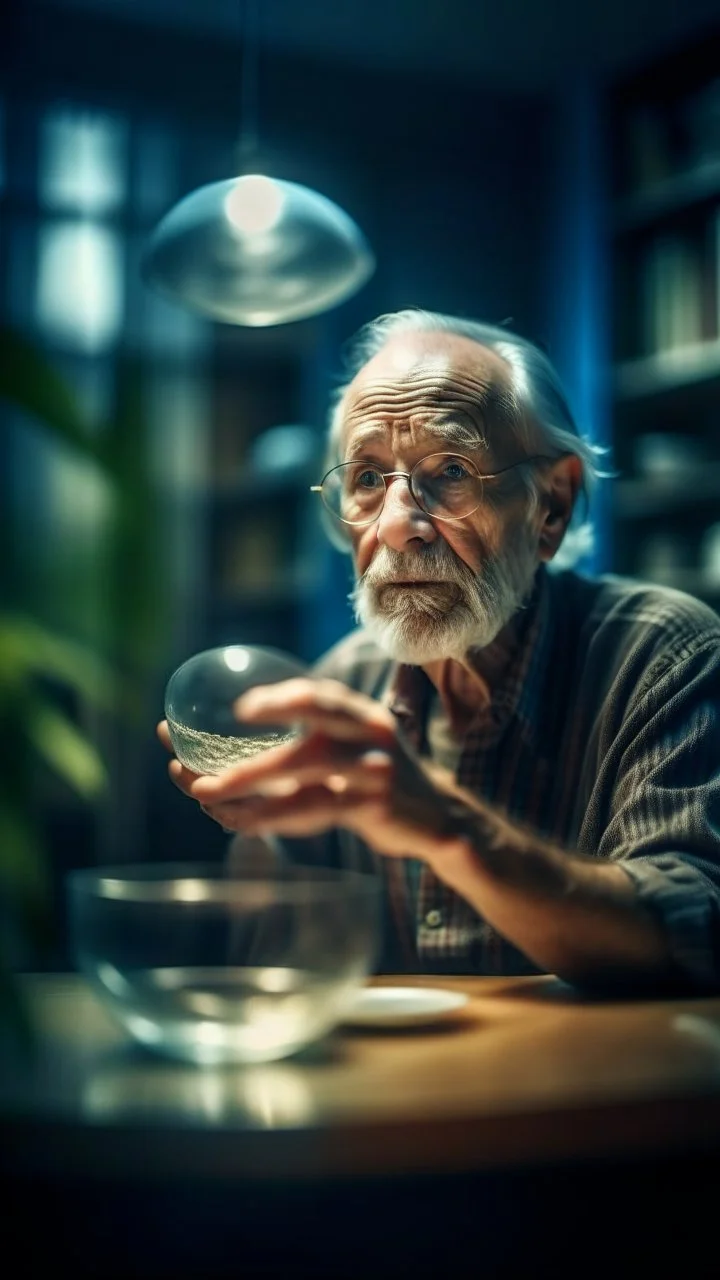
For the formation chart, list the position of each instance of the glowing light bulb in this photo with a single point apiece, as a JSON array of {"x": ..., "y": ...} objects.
[
  {"x": 237, "y": 658},
  {"x": 254, "y": 204}
]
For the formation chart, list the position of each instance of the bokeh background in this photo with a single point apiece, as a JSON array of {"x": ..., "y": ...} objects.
[{"x": 552, "y": 166}]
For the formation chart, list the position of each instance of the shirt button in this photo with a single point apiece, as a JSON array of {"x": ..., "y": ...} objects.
[{"x": 433, "y": 919}]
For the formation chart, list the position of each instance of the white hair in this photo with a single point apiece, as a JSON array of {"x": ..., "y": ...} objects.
[{"x": 541, "y": 417}]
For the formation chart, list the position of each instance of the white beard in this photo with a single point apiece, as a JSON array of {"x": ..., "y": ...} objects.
[{"x": 451, "y": 610}]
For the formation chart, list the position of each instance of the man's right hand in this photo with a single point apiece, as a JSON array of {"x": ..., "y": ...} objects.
[{"x": 255, "y": 854}]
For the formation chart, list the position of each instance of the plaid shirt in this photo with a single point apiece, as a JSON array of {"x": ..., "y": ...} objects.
[{"x": 604, "y": 736}]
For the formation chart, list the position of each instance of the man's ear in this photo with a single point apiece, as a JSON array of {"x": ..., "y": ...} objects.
[{"x": 561, "y": 486}]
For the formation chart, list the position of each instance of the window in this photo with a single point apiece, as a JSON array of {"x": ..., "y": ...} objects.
[
  {"x": 80, "y": 284},
  {"x": 82, "y": 162}
]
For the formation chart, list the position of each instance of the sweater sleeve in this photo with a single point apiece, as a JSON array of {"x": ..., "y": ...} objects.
[{"x": 664, "y": 824}]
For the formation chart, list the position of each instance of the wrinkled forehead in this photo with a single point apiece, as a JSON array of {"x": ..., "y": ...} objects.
[{"x": 437, "y": 380}]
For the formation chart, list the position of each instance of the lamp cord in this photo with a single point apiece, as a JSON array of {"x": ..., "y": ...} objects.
[{"x": 250, "y": 23}]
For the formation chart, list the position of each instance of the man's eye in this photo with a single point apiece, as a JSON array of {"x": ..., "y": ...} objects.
[
  {"x": 455, "y": 471},
  {"x": 368, "y": 479}
]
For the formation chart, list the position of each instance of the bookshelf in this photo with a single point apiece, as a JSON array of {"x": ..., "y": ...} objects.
[
  {"x": 665, "y": 254},
  {"x": 258, "y": 518}
]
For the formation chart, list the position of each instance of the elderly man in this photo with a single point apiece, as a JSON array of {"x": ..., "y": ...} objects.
[{"x": 530, "y": 756}]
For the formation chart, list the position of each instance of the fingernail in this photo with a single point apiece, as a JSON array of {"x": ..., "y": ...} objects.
[{"x": 377, "y": 759}]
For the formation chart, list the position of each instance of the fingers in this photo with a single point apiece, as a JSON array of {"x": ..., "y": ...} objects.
[
  {"x": 367, "y": 776},
  {"x": 238, "y": 778},
  {"x": 312, "y": 811},
  {"x": 325, "y": 706},
  {"x": 182, "y": 777},
  {"x": 308, "y": 761}
]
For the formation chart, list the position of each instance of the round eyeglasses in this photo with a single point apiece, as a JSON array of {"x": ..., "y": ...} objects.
[{"x": 446, "y": 486}]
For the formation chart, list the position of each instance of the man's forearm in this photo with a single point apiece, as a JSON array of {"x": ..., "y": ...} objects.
[{"x": 572, "y": 915}]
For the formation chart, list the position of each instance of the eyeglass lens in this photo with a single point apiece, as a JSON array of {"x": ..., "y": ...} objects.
[{"x": 443, "y": 485}]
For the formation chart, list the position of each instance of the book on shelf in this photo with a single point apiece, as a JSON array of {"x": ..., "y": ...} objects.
[
  {"x": 648, "y": 158},
  {"x": 666, "y": 140},
  {"x": 232, "y": 428},
  {"x": 251, "y": 556},
  {"x": 701, "y": 113},
  {"x": 245, "y": 403},
  {"x": 672, "y": 287}
]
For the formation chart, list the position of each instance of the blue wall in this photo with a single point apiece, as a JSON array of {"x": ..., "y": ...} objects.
[{"x": 576, "y": 283}]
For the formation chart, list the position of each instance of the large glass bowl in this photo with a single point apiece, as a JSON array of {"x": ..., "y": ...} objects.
[{"x": 214, "y": 966}]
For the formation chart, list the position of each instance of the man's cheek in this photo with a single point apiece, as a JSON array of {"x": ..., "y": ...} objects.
[
  {"x": 362, "y": 552},
  {"x": 470, "y": 547}
]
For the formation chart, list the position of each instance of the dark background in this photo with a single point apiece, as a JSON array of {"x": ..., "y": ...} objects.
[{"x": 485, "y": 151}]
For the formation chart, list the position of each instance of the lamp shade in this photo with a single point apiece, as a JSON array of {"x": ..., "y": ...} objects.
[{"x": 257, "y": 251}]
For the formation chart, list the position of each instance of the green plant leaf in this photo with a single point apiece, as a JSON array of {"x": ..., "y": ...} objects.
[
  {"x": 19, "y": 1030},
  {"x": 28, "y": 649},
  {"x": 30, "y": 381},
  {"x": 65, "y": 748},
  {"x": 23, "y": 870}
]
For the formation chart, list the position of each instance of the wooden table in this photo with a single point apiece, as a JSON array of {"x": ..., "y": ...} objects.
[{"x": 531, "y": 1096}]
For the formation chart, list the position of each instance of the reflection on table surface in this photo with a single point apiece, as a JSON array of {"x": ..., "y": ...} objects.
[{"x": 526, "y": 1069}]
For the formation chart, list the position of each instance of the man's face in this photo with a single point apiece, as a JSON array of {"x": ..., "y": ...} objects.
[{"x": 426, "y": 588}]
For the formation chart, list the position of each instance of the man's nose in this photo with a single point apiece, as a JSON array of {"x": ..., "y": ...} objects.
[{"x": 402, "y": 522}]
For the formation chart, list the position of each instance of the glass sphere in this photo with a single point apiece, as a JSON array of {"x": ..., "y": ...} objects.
[
  {"x": 257, "y": 251},
  {"x": 199, "y": 698}
]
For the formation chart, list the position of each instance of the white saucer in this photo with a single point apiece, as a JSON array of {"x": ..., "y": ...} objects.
[{"x": 402, "y": 1006}]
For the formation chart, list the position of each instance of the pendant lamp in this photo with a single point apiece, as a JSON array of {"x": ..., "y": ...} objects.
[{"x": 255, "y": 250}]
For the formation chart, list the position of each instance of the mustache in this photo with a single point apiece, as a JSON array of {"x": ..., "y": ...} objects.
[{"x": 437, "y": 564}]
